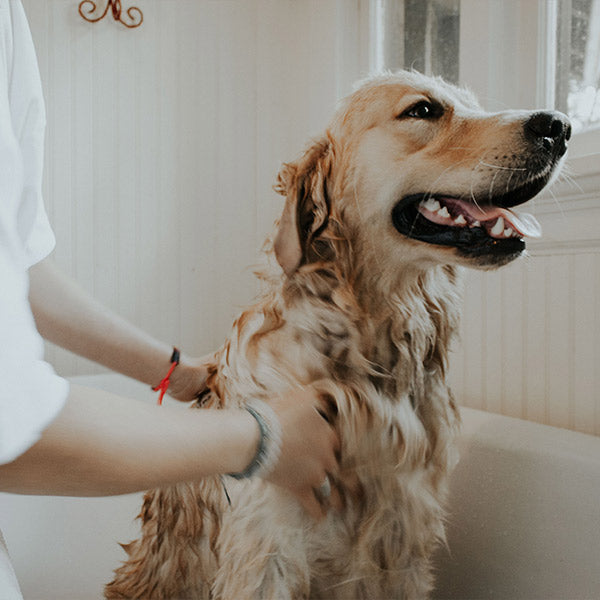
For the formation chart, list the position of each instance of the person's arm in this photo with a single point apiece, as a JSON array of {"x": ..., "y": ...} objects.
[
  {"x": 102, "y": 445},
  {"x": 68, "y": 316}
]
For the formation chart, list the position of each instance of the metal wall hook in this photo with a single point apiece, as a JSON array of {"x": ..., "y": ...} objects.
[{"x": 135, "y": 15}]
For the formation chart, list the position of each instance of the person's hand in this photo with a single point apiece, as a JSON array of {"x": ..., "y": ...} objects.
[
  {"x": 308, "y": 451},
  {"x": 189, "y": 377}
]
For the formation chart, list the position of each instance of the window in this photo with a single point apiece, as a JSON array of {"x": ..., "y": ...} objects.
[
  {"x": 513, "y": 53},
  {"x": 419, "y": 34},
  {"x": 578, "y": 61}
]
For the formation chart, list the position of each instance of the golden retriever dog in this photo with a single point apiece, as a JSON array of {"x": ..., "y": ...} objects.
[{"x": 411, "y": 181}]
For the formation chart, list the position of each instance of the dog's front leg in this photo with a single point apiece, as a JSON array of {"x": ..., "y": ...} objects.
[{"x": 262, "y": 546}]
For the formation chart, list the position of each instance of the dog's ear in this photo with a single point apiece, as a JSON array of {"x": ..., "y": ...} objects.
[{"x": 306, "y": 211}]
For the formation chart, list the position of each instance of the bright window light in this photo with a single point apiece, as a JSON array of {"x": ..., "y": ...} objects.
[{"x": 578, "y": 62}]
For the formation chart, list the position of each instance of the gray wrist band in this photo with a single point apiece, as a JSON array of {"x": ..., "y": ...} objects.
[{"x": 269, "y": 445}]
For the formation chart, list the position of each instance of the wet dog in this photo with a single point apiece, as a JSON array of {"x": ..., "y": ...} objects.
[{"x": 411, "y": 181}]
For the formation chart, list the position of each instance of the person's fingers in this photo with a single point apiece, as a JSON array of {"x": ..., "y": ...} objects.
[
  {"x": 312, "y": 506},
  {"x": 329, "y": 418},
  {"x": 317, "y": 507},
  {"x": 335, "y": 500},
  {"x": 328, "y": 493},
  {"x": 310, "y": 449},
  {"x": 326, "y": 406},
  {"x": 337, "y": 444},
  {"x": 333, "y": 458}
]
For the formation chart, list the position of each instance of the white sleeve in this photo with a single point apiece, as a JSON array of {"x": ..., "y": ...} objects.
[{"x": 28, "y": 115}]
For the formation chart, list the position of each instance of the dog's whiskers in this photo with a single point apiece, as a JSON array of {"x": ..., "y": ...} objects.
[
  {"x": 570, "y": 180},
  {"x": 491, "y": 190},
  {"x": 501, "y": 167},
  {"x": 471, "y": 192},
  {"x": 412, "y": 227},
  {"x": 557, "y": 202},
  {"x": 432, "y": 187},
  {"x": 507, "y": 187}
]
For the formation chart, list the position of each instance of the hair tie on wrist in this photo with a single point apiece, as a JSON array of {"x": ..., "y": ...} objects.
[
  {"x": 163, "y": 386},
  {"x": 269, "y": 446}
]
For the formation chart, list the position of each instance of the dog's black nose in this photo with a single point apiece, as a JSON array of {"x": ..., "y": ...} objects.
[{"x": 549, "y": 130}]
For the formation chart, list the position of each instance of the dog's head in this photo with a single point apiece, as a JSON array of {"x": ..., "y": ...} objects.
[{"x": 412, "y": 170}]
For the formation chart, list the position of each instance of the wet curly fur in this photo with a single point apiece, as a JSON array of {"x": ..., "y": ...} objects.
[{"x": 365, "y": 316}]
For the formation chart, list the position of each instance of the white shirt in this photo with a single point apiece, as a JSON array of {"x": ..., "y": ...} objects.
[{"x": 31, "y": 394}]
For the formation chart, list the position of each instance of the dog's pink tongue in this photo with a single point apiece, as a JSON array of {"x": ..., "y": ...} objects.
[
  {"x": 523, "y": 223},
  {"x": 526, "y": 224}
]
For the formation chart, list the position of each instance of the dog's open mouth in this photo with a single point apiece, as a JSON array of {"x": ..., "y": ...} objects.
[{"x": 473, "y": 229}]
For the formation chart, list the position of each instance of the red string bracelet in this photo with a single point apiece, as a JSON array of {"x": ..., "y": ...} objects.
[{"x": 163, "y": 386}]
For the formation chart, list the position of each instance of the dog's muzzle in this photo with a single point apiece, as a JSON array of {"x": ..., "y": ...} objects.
[{"x": 484, "y": 226}]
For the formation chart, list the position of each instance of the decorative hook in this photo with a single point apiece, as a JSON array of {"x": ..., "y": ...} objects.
[{"x": 134, "y": 13}]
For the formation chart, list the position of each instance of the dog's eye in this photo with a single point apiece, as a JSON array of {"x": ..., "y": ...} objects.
[{"x": 423, "y": 110}]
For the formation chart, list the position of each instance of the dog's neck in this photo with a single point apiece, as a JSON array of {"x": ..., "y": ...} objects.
[
  {"x": 403, "y": 331},
  {"x": 412, "y": 324}
]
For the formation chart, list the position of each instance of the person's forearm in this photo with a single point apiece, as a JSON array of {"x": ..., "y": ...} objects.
[
  {"x": 102, "y": 445},
  {"x": 70, "y": 318}
]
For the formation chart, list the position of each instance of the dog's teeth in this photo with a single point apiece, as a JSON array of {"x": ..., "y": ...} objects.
[
  {"x": 460, "y": 220},
  {"x": 508, "y": 232},
  {"x": 498, "y": 228},
  {"x": 443, "y": 212},
  {"x": 475, "y": 224},
  {"x": 431, "y": 205}
]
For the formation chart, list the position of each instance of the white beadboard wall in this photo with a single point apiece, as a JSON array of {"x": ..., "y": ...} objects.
[
  {"x": 164, "y": 141},
  {"x": 530, "y": 339}
]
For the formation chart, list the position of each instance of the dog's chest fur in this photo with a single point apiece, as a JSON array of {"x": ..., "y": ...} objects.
[{"x": 384, "y": 377}]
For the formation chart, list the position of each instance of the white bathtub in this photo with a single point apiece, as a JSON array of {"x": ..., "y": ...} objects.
[{"x": 524, "y": 519}]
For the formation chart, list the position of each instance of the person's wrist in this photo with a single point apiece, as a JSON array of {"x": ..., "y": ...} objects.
[
  {"x": 165, "y": 382},
  {"x": 188, "y": 378},
  {"x": 181, "y": 376},
  {"x": 268, "y": 448},
  {"x": 249, "y": 436}
]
